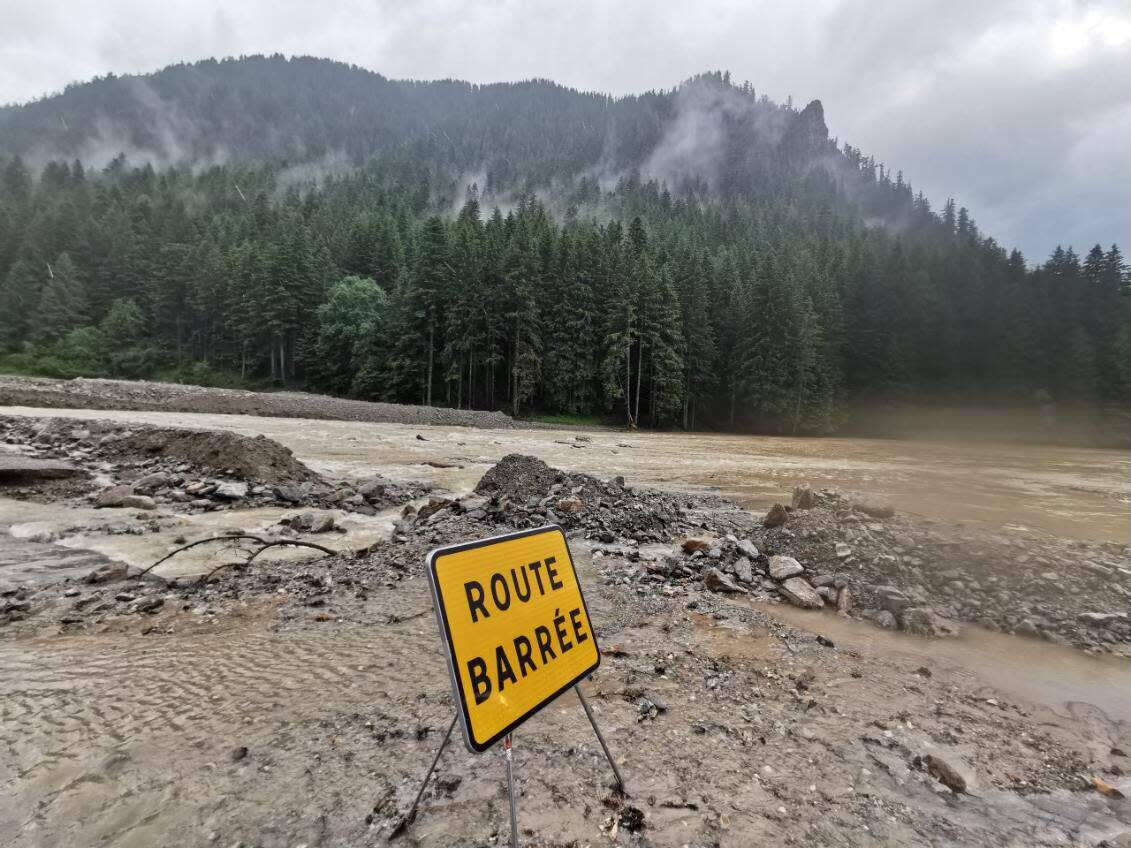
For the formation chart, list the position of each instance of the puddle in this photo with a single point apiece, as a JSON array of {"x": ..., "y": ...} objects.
[{"x": 1023, "y": 668}]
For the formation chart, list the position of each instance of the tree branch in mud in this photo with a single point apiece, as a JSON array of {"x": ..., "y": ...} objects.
[{"x": 265, "y": 544}]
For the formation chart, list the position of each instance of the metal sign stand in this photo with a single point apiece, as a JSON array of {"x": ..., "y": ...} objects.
[{"x": 410, "y": 816}]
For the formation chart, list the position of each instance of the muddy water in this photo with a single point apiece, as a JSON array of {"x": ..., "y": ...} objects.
[
  {"x": 1023, "y": 668},
  {"x": 1072, "y": 492}
]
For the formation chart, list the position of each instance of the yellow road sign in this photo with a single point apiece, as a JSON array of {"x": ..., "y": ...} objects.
[{"x": 515, "y": 627}]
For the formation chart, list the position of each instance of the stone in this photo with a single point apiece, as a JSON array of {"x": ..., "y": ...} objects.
[
  {"x": 1101, "y": 619},
  {"x": 1028, "y": 628},
  {"x": 291, "y": 494},
  {"x": 844, "y": 600},
  {"x": 748, "y": 549},
  {"x": 571, "y": 505},
  {"x": 885, "y": 620},
  {"x": 231, "y": 490},
  {"x": 743, "y": 570},
  {"x": 843, "y": 551},
  {"x": 433, "y": 506},
  {"x": 150, "y": 483},
  {"x": 798, "y": 592},
  {"x": 690, "y": 546},
  {"x": 803, "y": 497},
  {"x": 322, "y": 523},
  {"x": 944, "y": 773},
  {"x": 923, "y": 621},
  {"x": 784, "y": 567},
  {"x": 874, "y": 508},
  {"x": 373, "y": 489},
  {"x": 15, "y": 469},
  {"x": 892, "y": 599},
  {"x": 776, "y": 517},
  {"x": 124, "y": 498},
  {"x": 149, "y": 604},
  {"x": 108, "y": 573},
  {"x": 716, "y": 581}
]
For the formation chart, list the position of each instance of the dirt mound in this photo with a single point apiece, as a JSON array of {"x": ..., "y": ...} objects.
[
  {"x": 519, "y": 477},
  {"x": 257, "y": 458}
]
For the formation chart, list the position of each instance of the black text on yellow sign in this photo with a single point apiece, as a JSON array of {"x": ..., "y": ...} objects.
[{"x": 515, "y": 627}]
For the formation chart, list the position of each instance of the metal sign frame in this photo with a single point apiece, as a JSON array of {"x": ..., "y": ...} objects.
[{"x": 449, "y": 649}]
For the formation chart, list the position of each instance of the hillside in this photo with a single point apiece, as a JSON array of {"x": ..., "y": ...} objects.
[{"x": 700, "y": 256}]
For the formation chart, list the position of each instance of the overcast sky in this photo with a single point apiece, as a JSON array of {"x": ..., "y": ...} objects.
[{"x": 1020, "y": 110}]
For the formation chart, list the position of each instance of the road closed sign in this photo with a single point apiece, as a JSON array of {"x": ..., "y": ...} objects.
[{"x": 515, "y": 627}]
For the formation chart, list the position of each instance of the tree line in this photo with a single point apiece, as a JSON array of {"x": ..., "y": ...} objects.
[{"x": 770, "y": 313}]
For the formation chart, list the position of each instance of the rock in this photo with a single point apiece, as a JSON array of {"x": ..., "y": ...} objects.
[
  {"x": 690, "y": 546},
  {"x": 743, "y": 570},
  {"x": 876, "y": 509},
  {"x": 1101, "y": 619},
  {"x": 776, "y": 517},
  {"x": 885, "y": 620},
  {"x": 892, "y": 599},
  {"x": 231, "y": 490},
  {"x": 844, "y": 600},
  {"x": 108, "y": 573},
  {"x": 322, "y": 523},
  {"x": 239, "y": 753},
  {"x": 784, "y": 567},
  {"x": 149, "y": 604},
  {"x": 123, "y": 497},
  {"x": 803, "y": 497},
  {"x": 798, "y": 592},
  {"x": 433, "y": 506},
  {"x": 150, "y": 483},
  {"x": 923, "y": 621},
  {"x": 843, "y": 551},
  {"x": 291, "y": 494},
  {"x": 571, "y": 505},
  {"x": 1026, "y": 628},
  {"x": 748, "y": 549},
  {"x": 944, "y": 773},
  {"x": 716, "y": 581},
  {"x": 16, "y": 469}
]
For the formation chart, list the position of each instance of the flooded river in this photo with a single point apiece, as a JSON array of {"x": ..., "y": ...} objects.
[{"x": 1072, "y": 492}]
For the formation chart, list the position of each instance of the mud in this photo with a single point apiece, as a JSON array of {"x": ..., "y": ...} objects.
[{"x": 298, "y": 701}]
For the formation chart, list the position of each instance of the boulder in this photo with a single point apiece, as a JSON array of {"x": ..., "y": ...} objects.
[
  {"x": 803, "y": 497},
  {"x": 784, "y": 567},
  {"x": 843, "y": 551},
  {"x": 874, "y": 508},
  {"x": 748, "y": 549},
  {"x": 123, "y": 497},
  {"x": 743, "y": 570},
  {"x": 17, "y": 469},
  {"x": 844, "y": 600},
  {"x": 322, "y": 523},
  {"x": 885, "y": 620},
  {"x": 231, "y": 490},
  {"x": 150, "y": 483},
  {"x": 892, "y": 599},
  {"x": 433, "y": 506},
  {"x": 291, "y": 494},
  {"x": 923, "y": 621},
  {"x": 716, "y": 581},
  {"x": 690, "y": 546},
  {"x": 111, "y": 572},
  {"x": 373, "y": 488},
  {"x": 776, "y": 517},
  {"x": 798, "y": 592},
  {"x": 571, "y": 505}
]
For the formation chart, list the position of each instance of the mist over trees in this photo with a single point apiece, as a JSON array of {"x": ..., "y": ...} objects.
[{"x": 700, "y": 258}]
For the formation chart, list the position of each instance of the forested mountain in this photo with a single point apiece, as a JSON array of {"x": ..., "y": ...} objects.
[{"x": 697, "y": 257}]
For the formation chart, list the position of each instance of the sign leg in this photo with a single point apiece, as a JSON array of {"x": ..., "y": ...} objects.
[
  {"x": 408, "y": 817},
  {"x": 601, "y": 739},
  {"x": 510, "y": 790}
]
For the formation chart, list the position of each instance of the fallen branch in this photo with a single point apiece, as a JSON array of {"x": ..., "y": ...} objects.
[{"x": 264, "y": 545}]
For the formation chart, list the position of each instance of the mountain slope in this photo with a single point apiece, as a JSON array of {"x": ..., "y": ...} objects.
[{"x": 701, "y": 256}]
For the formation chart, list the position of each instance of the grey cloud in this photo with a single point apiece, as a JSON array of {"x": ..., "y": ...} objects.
[{"x": 1020, "y": 110}]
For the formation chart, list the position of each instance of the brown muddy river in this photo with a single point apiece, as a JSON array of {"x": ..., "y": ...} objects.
[{"x": 1072, "y": 492}]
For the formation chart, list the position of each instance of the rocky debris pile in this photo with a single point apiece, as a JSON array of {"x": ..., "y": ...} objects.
[
  {"x": 215, "y": 451},
  {"x": 83, "y": 393},
  {"x": 861, "y": 558},
  {"x": 523, "y": 491},
  {"x": 145, "y": 467}
]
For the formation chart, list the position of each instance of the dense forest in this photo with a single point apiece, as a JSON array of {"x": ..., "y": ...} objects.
[{"x": 702, "y": 257}]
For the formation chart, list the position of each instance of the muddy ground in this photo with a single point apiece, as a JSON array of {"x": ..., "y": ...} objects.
[{"x": 297, "y": 702}]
